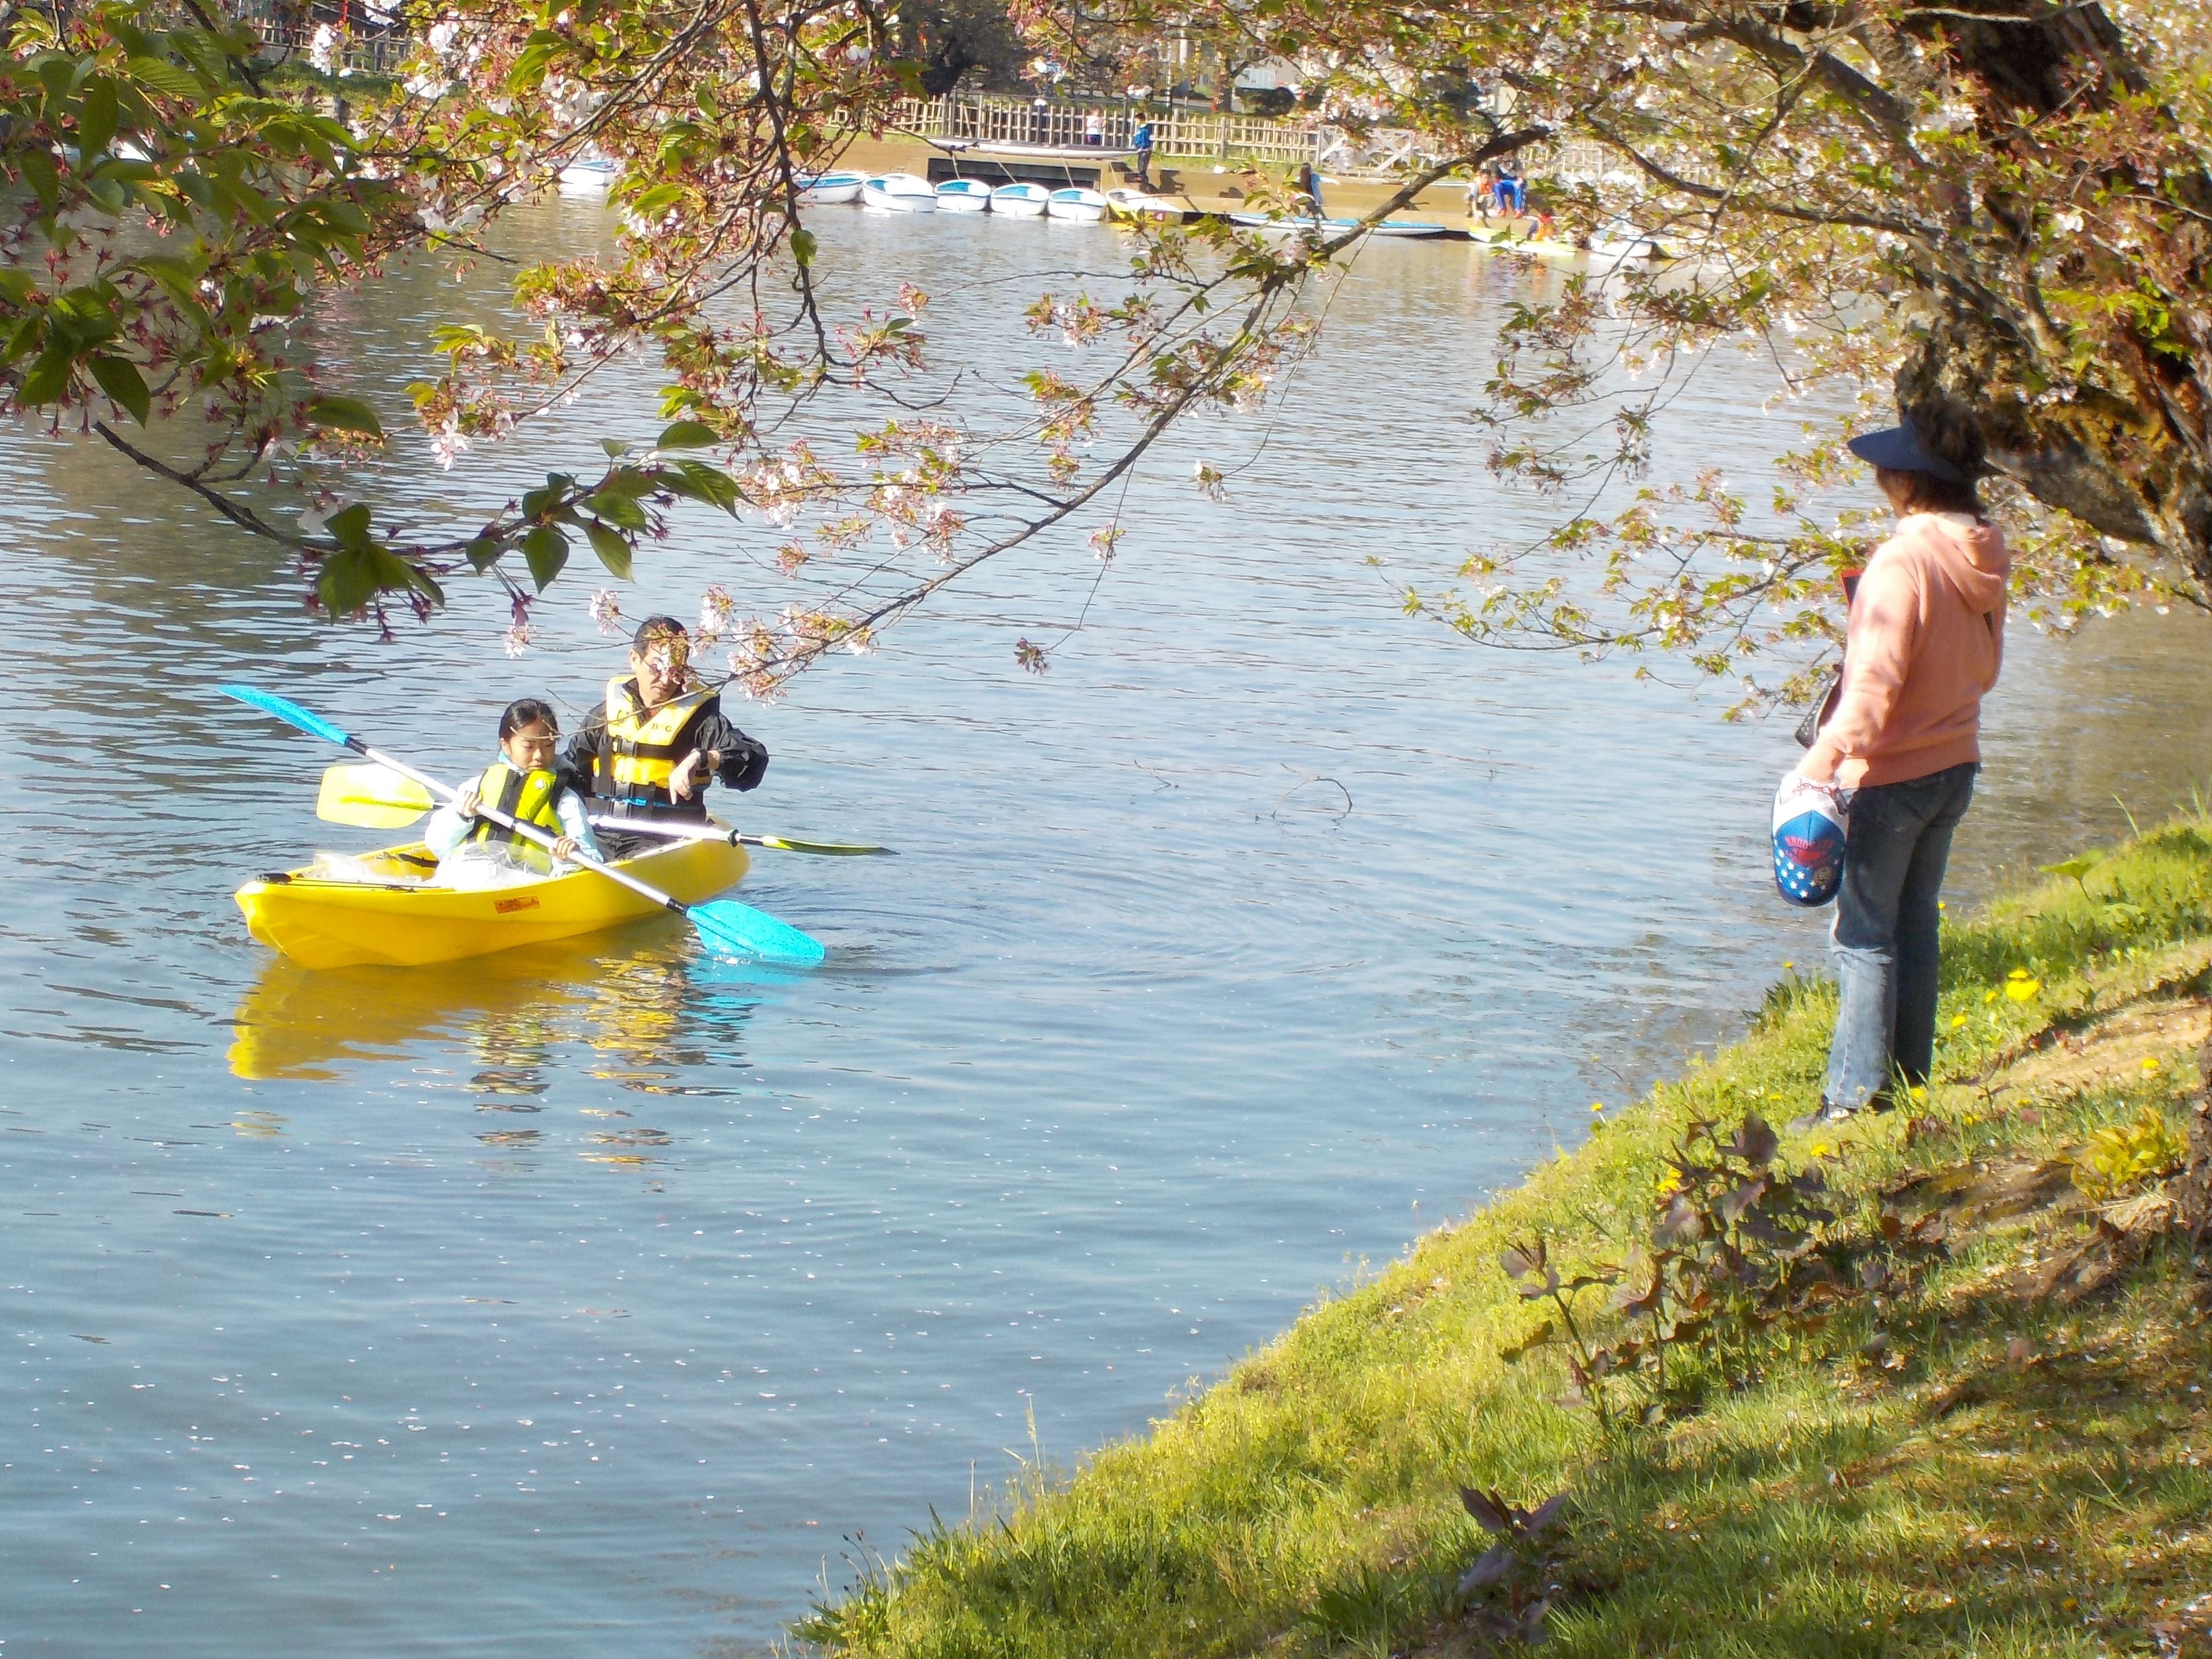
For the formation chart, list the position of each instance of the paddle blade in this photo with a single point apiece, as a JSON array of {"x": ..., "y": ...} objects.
[
  {"x": 739, "y": 930},
  {"x": 371, "y": 797},
  {"x": 290, "y": 713},
  {"x": 827, "y": 849}
]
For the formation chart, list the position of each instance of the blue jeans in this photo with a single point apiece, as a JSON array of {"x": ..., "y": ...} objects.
[{"x": 1886, "y": 932}]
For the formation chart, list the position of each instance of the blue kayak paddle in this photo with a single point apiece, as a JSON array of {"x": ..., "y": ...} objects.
[{"x": 723, "y": 924}]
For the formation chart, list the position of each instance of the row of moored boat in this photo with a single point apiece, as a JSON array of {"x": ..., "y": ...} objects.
[{"x": 905, "y": 192}]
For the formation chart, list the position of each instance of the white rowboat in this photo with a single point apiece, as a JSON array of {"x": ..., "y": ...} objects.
[
  {"x": 964, "y": 196},
  {"x": 831, "y": 188},
  {"x": 1020, "y": 200},
  {"x": 898, "y": 192},
  {"x": 1418, "y": 229},
  {"x": 1138, "y": 204},
  {"x": 590, "y": 172},
  {"x": 1077, "y": 202}
]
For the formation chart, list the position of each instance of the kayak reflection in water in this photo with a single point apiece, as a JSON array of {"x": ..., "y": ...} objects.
[
  {"x": 473, "y": 851},
  {"x": 649, "y": 750}
]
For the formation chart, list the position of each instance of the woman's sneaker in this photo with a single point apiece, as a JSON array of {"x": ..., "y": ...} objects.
[{"x": 1821, "y": 1117}]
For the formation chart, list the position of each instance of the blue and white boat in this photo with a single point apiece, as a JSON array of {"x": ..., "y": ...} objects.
[
  {"x": 964, "y": 196},
  {"x": 1020, "y": 200},
  {"x": 1419, "y": 228},
  {"x": 1076, "y": 203},
  {"x": 898, "y": 192},
  {"x": 590, "y": 172},
  {"x": 831, "y": 188}
]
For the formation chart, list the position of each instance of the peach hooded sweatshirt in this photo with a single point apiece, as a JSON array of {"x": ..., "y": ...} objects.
[{"x": 1924, "y": 640}]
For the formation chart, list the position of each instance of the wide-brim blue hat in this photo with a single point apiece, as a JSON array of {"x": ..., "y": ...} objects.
[{"x": 1899, "y": 448}]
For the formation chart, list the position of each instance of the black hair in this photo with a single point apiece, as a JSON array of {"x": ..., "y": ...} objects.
[
  {"x": 653, "y": 630},
  {"x": 525, "y": 712}
]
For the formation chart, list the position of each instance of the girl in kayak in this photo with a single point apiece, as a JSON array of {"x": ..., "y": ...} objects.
[{"x": 472, "y": 850}]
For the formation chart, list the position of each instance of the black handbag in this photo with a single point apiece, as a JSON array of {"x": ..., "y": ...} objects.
[{"x": 1808, "y": 729}]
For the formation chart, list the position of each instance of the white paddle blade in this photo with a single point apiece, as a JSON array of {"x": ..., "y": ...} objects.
[{"x": 370, "y": 798}]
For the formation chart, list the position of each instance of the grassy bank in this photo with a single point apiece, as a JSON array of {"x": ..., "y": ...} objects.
[{"x": 1986, "y": 1436}]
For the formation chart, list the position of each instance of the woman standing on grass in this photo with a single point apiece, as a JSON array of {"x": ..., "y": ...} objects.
[{"x": 1924, "y": 640}]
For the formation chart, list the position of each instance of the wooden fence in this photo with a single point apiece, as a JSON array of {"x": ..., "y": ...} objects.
[
  {"x": 1192, "y": 135},
  {"x": 1203, "y": 136},
  {"x": 364, "y": 40}
]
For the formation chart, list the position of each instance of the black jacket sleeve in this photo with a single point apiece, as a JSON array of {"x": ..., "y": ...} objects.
[
  {"x": 744, "y": 760},
  {"x": 580, "y": 765}
]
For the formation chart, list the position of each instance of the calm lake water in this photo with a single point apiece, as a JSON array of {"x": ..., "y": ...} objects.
[{"x": 594, "y": 1299}]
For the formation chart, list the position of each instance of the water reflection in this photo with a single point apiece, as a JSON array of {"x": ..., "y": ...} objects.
[{"x": 652, "y": 1020}]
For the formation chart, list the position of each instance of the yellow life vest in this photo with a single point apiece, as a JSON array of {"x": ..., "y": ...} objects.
[
  {"x": 641, "y": 747},
  {"x": 526, "y": 796}
]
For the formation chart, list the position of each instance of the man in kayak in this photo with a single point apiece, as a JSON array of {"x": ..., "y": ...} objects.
[
  {"x": 472, "y": 850},
  {"x": 647, "y": 751}
]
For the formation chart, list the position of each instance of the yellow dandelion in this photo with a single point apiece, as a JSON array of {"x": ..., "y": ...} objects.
[
  {"x": 1669, "y": 1182},
  {"x": 1822, "y": 1148},
  {"x": 2021, "y": 988},
  {"x": 2149, "y": 1067},
  {"x": 1788, "y": 964},
  {"x": 1957, "y": 1020},
  {"x": 1918, "y": 1091},
  {"x": 1989, "y": 996}
]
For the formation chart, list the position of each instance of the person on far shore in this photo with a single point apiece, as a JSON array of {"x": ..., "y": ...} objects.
[
  {"x": 1923, "y": 641},
  {"x": 1309, "y": 185},
  {"x": 648, "y": 750},
  {"x": 1141, "y": 142},
  {"x": 1094, "y": 128}
]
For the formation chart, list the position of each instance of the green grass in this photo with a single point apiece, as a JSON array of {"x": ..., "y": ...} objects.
[{"x": 2003, "y": 1478}]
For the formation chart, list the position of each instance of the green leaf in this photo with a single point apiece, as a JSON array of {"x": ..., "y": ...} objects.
[
  {"x": 163, "y": 76},
  {"x": 651, "y": 203},
  {"x": 802, "y": 246},
  {"x": 121, "y": 379},
  {"x": 17, "y": 285},
  {"x": 483, "y": 552},
  {"x": 618, "y": 509},
  {"x": 95, "y": 118},
  {"x": 38, "y": 167},
  {"x": 180, "y": 278},
  {"x": 532, "y": 61},
  {"x": 47, "y": 378},
  {"x": 2077, "y": 866},
  {"x": 615, "y": 447},
  {"x": 25, "y": 337},
  {"x": 702, "y": 482},
  {"x": 348, "y": 581},
  {"x": 338, "y": 413},
  {"x": 688, "y": 434},
  {"x": 614, "y": 552},
  {"x": 547, "y": 550},
  {"x": 349, "y": 528}
]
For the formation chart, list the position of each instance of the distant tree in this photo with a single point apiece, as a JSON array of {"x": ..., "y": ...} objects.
[{"x": 955, "y": 41}]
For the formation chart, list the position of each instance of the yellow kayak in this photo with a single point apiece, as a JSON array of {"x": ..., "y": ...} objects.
[{"x": 390, "y": 916}]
